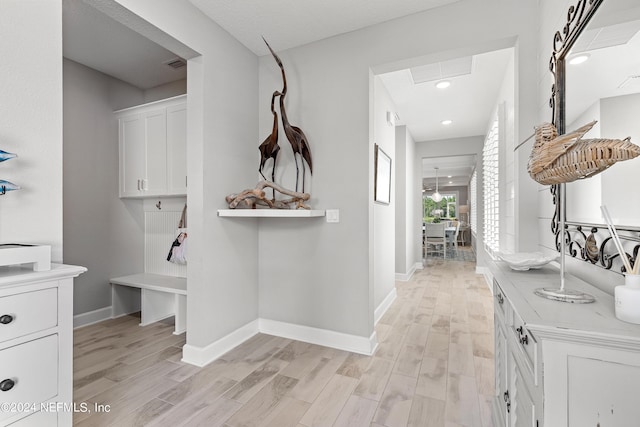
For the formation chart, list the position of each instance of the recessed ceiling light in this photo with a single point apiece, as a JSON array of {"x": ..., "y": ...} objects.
[
  {"x": 448, "y": 176},
  {"x": 450, "y": 182},
  {"x": 579, "y": 59},
  {"x": 443, "y": 84},
  {"x": 446, "y": 122}
]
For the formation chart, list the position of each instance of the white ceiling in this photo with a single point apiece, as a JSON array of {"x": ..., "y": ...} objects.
[
  {"x": 469, "y": 101},
  {"x": 287, "y": 23},
  {"x": 99, "y": 42}
]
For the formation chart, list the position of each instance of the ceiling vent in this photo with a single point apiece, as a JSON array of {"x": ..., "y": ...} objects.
[
  {"x": 176, "y": 63},
  {"x": 599, "y": 38},
  {"x": 442, "y": 70}
]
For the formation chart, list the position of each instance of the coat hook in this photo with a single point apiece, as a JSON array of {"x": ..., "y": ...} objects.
[{"x": 159, "y": 205}]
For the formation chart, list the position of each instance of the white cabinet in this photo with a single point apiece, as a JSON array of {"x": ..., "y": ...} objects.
[
  {"x": 177, "y": 149},
  {"x": 515, "y": 405},
  {"x": 152, "y": 145},
  {"x": 36, "y": 346},
  {"x": 560, "y": 364}
]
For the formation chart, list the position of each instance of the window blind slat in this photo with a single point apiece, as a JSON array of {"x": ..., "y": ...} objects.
[{"x": 490, "y": 161}]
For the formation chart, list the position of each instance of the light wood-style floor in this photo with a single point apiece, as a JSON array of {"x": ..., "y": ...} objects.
[{"x": 433, "y": 367}]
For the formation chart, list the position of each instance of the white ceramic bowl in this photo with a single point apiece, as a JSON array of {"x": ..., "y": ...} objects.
[{"x": 523, "y": 261}]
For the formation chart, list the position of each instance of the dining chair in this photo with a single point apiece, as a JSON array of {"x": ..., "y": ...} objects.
[
  {"x": 435, "y": 236},
  {"x": 464, "y": 227},
  {"x": 453, "y": 236}
]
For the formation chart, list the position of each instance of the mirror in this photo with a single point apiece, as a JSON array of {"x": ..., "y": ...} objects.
[
  {"x": 605, "y": 87},
  {"x": 607, "y": 90}
]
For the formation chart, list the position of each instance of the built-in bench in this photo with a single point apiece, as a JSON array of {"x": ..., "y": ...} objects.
[{"x": 160, "y": 297}]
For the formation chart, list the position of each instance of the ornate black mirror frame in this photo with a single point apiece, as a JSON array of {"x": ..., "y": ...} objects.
[{"x": 595, "y": 247}]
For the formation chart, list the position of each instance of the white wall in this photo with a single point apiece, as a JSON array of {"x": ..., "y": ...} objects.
[
  {"x": 329, "y": 99},
  {"x": 165, "y": 91},
  {"x": 508, "y": 194},
  {"x": 222, "y": 86},
  {"x": 620, "y": 119},
  {"x": 101, "y": 231},
  {"x": 408, "y": 204},
  {"x": 384, "y": 216},
  {"x": 31, "y": 122}
]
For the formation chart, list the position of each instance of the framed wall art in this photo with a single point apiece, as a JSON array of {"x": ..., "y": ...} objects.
[{"x": 382, "y": 176}]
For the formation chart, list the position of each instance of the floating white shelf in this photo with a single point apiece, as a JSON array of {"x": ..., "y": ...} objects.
[{"x": 271, "y": 213}]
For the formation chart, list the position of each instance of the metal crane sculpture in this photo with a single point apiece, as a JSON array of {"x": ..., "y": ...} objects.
[
  {"x": 254, "y": 197},
  {"x": 295, "y": 135},
  {"x": 269, "y": 148}
]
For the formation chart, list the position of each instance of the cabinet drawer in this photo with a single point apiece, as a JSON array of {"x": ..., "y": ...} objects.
[
  {"x": 501, "y": 302},
  {"x": 39, "y": 419},
  {"x": 29, "y": 312},
  {"x": 32, "y": 367},
  {"x": 527, "y": 343}
]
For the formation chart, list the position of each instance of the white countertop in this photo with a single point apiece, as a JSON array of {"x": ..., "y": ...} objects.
[
  {"x": 15, "y": 275},
  {"x": 596, "y": 320}
]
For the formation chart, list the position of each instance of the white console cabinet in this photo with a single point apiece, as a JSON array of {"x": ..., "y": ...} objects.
[
  {"x": 153, "y": 146},
  {"x": 561, "y": 364},
  {"x": 36, "y": 346}
]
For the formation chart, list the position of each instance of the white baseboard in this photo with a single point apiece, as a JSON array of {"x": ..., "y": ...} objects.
[
  {"x": 201, "y": 356},
  {"x": 384, "y": 305},
  {"x": 91, "y": 317},
  {"x": 405, "y": 277},
  {"x": 324, "y": 337},
  {"x": 488, "y": 277}
]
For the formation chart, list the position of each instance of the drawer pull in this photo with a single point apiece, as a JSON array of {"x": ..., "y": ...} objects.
[
  {"x": 507, "y": 399},
  {"x": 523, "y": 339},
  {"x": 500, "y": 299},
  {"x": 5, "y": 319},
  {"x": 7, "y": 384}
]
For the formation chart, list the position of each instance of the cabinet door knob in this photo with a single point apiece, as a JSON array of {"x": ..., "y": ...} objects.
[
  {"x": 500, "y": 299},
  {"x": 7, "y": 384},
  {"x": 5, "y": 319}
]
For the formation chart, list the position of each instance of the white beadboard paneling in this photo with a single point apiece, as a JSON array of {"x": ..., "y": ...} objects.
[{"x": 160, "y": 230}]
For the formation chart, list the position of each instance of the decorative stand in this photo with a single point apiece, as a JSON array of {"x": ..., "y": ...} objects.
[{"x": 562, "y": 294}]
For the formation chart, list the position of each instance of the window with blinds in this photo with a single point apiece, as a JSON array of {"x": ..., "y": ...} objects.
[
  {"x": 473, "y": 216},
  {"x": 490, "y": 160}
]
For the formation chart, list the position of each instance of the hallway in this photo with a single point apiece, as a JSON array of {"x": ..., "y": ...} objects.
[{"x": 433, "y": 367}]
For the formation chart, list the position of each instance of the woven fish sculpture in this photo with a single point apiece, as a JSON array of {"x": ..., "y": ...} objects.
[{"x": 559, "y": 159}]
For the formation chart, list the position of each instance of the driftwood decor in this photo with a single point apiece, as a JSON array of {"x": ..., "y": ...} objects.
[
  {"x": 252, "y": 197},
  {"x": 269, "y": 149}
]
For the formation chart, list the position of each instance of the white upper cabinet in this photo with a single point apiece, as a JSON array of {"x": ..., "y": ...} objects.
[
  {"x": 177, "y": 149},
  {"x": 153, "y": 149}
]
